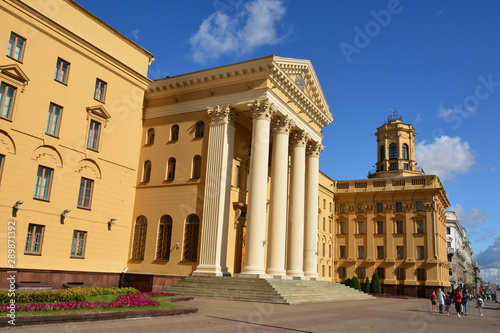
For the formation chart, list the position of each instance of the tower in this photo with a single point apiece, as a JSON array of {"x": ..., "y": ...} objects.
[{"x": 395, "y": 149}]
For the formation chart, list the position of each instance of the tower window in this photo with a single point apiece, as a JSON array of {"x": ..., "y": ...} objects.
[
  {"x": 394, "y": 166},
  {"x": 404, "y": 151},
  {"x": 393, "y": 151}
]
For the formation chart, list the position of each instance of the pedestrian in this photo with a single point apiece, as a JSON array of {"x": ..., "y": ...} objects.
[
  {"x": 433, "y": 300},
  {"x": 440, "y": 300},
  {"x": 480, "y": 305},
  {"x": 465, "y": 301},
  {"x": 458, "y": 301},
  {"x": 447, "y": 302}
]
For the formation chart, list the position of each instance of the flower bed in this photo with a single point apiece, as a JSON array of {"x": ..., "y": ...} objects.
[{"x": 122, "y": 301}]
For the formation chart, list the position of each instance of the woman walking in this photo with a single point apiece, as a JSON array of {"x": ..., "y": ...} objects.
[
  {"x": 440, "y": 300},
  {"x": 465, "y": 301},
  {"x": 458, "y": 301}
]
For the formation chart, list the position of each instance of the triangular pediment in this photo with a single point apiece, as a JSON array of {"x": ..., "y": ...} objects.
[
  {"x": 15, "y": 72},
  {"x": 99, "y": 111}
]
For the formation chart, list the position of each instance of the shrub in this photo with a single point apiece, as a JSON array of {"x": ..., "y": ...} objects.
[
  {"x": 355, "y": 283},
  {"x": 375, "y": 287},
  {"x": 367, "y": 285},
  {"x": 348, "y": 282}
]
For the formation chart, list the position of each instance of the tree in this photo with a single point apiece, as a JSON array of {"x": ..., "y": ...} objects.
[
  {"x": 348, "y": 282},
  {"x": 367, "y": 285},
  {"x": 375, "y": 286},
  {"x": 355, "y": 283}
]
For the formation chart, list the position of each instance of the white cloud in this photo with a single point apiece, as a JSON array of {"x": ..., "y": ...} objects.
[
  {"x": 489, "y": 257},
  {"x": 445, "y": 157},
  {"x": 243, "y": 31},
  {"x": 135, "y": 33},
  {"x": 456, "y": 110},
  {"x": 475, "y": 218}
]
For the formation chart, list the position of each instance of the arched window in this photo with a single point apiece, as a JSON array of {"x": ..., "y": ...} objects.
[
  {"x": 196, "y": 167},
  {"x": 382, "y": 153},
  {"x": 393, "y": 151},
  {"x": 140, "y": 230},
  {"x": 171, "y": 169},
  {"x": 164, "y": 238},
  {"x": 174, "y": 133},
  {"x": 199, "y": 130},
  {"x": 151, "y": 136},
  {"x": 147, "y": 172},
  {"x": 191, "y": 238},
  {"x": 404, "y": 151}
]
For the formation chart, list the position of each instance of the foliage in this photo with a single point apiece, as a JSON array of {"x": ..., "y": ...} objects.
[
  {"x": 355, "y": 283},
  {"x": 375, "y": 287},
  {"x": 348, "y": 282},
  {"x": 367, "y": 285}
]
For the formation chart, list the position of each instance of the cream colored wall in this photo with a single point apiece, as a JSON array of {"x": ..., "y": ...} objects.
[
  {"x": 325, "y": 236},
  {"x": 25, "y": 144}
]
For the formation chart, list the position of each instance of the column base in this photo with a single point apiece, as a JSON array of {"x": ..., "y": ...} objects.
[
  {"x": 281, "y": 277},
  {"x": 276, "y": 272},
  {"x": 208, "y": 270},
  {"x": 294, "y": 273},
  {"x": 253, "y": 276}
]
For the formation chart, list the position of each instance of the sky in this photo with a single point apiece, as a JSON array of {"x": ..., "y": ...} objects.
[{"x": 437, "y": 61}]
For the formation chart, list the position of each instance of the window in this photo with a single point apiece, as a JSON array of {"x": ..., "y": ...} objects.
[
  {"x": 393, "y": 166},
  {"x": 420, "y": 227},
  {"x": 361, "y": 208},
  {"x": 420, "y": 252},
  {"x": 343, "y": 228},
  {"x": 448, "y": 230},
  {"x": 323, "y": 270},
  {"x": 164, "y": 238},
  {"x": 421, "y": 274},
  {"x": 196, "y": 167},
  {"x": 361, "y": 227},
  {"x": 449, "y": 244},
  {"x": 324, "y": 224},
  {"x": 380, "y": 227},
  {"x": 400, "y": 273},
  {"x": 199, "y": 129},
  {"x": 361, "y": 251},
  {"x": 329, "y": 271},
  {"x": 7, "y": 95},
  {"x": 324, "y": 249},
  {"x": 34, "y": 239},
  {"x": 400, "y": 254},
  {"x": 380, "y": 207},
  {"x": 343, "y": 209},
  {"x": 324, "y": 203},
  {"x": 381, "y": 272},
  {"x": 342, "y": 272},
  {"x": 78, "y": 244},
  {"x": 238, "y": 176},
  {"x": 151, "y": 136},
  {"x": 382, "y": 153},
  {"x": 330, "y": 226},
  {"x": 146, "y": 176},
  {"x": 174, "y": 133},
  {"x": 399, "y": 206},
  {"x": 380, "y": 252},
  {"x": 15, "y": 49},
  {"x": 404, "y": 151},
  {"x": 139, "y": 244},
  {"x": 85, "y": 194},
  {"x": 171, "y": 169},
  {"x": 405, "y": 166},
  {"x": 191, "y": 238},
  {"x": 43, "y": 183},
  {"x": 399, "y": 227},
  {"x": 329, "y": 250},
  {"x": 94, "y": 134},
  {"x": 53, "y": 120},
  {"x": 342, "y": 252},
  {"x": 330, "y": 207},
  {"x": 62, "y": 71},
  {"x": 393, "y": 151},
  {"x": 419, "y": 206},
  {"x": 360, "y": 272},
  {"x": 100, "y": 90}
]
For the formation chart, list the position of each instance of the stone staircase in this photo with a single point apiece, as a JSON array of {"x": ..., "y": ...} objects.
[{"x": 266, "y": 290}]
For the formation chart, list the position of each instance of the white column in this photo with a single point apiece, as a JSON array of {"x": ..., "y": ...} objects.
[
  {"x": 296, "y": 206},
  {"x": 311, "y": 227},
  {"x": 276, "y": 252},
  {"x": 257, "y": 190},
  {"x": 216, "y": 206}
]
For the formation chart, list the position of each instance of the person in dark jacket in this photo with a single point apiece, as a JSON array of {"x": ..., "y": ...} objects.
[{"x": 457, "y": 298}]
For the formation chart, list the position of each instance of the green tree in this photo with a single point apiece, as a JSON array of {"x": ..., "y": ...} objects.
[
  {"x": 355, "y": 283},
  {"x": 367, "y": 285},
  {"x": 375, "y": 286},
  {"x": 348, "y": 282}
]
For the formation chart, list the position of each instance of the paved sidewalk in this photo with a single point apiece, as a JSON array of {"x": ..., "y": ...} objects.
[{"x": 377, "y": 315}]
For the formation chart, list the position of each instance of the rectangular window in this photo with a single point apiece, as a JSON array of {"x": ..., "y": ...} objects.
[
  {"x": 400, "y": 273},
  {"x": 323, "y": 271},
  {"x": 419, "y": 206},
  {"x": 94, "y": 134},
  {"x": 43, "y": 183},
  {"x": 380, "y": 207},
  {"x": 324, "y": 249},
  {"x": 361, "y": 208},
  {"x": 330, "y": 207},
  {"x": 78, "y": 244},
  {"x": 380, "y": 252},
  {"x": 399, "y": 227},
  {"x": 449, "y": 244},
  {"x": 421, "y": 274},
  {"x": 361, "y": 272},
  {"x": 381, "y": 272},
  {"x": 62, "y": 71},
  {"x": 34, "y": 239},
  {"x": 324, "y": 203},
  {"x": 448, "y": 231},
  {"x": 330, "y": 226},
  {"x": 393, "y": 166},
  {"x": 361, "y": 227},
  {"x": 85, "y": 194},
  {"x": 343, "y": 228},
  {"x": 16, "y": 46},
  {"x": 420, "y": 252},
  {"x": 324, "y": 224},
  {"x": 399, "y": 206},
  {"x": 342, "y": 252},
  {"x": 341, "y": 272},
  {"x": 420, "y": 227},
  {"x": 7, "y": 95},
  {"x": 329, "y": 250},
  {"x": 343, "y": 209},
  {"x": 380, "y": 227},
  {"x": 400, "y": 254},
  {"x": 53, "y": 120},
  {"x": 329, "y": 271},
  {"x": 361, "y": 252},
  {"x": 405, "y": 166},
  {"x": 100, "y": 90}
]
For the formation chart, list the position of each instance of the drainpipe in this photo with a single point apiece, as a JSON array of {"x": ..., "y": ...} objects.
[{"x": 435, "y": 238}]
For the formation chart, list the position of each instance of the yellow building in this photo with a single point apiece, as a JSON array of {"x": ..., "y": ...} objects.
[
  {"x": 71, "y": 99},
  {"x": 393, "y": 223}
]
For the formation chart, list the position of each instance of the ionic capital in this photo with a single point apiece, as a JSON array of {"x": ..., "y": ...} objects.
[
  {"x": 281, "y": 125},
  {"x": 314, "y": 149},
  {"x": 262, "y": 109},
  {"x": 222, "y": 115},
  {"x": 299, "y": 138}
]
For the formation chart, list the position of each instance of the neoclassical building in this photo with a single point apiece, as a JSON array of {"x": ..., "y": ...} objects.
[
  {"x": 394, "y": 222},
  {"x": 229, "y": 173}
]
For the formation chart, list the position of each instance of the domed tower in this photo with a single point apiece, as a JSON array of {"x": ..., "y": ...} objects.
[{"x": 395, "y": 149}]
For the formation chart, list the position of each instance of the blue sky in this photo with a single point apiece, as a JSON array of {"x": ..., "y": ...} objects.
[{"x": 438, "y": 61}]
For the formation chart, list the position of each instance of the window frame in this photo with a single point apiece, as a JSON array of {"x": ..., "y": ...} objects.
[
  {"x": 420, "y": 252},
  {"x": 3, "y": 100},
  {"x": 419, "y": 206},
  {"x": 380, "y": 252},
  {"x": 342, "y": 251},
  {"x": 342, "y": 228},
  {"x": 92, "y": 139},
  {"x": 41, "y": 187},
  {"x": 421, "y": 274},
  {"x": 420, "y": 226},
  {"x": 150, "y": 138},
  {"x": 404, "y": 152},
  {"x": 15, "y": 44},
  {"x": 100, "y": 94},
  {"x": 162, "y": 247},
  {"x": 82, "y": 196},
  {"x": 400, "y": 273},
  {"x": 380, "y": 207},
  {"x": 342, "y": 272},
  {"x": 361, "y": 252},
  {"x": 199, "y": 129},
  {"x": 146, "y": 171},
  {"x": 342, "y": 209},
  {"x": 393, "y": 166},
  {"x": 379, "y": 270},
  {"x": 380, "y": 227},
  {"x": 174, "y": 133},
  {"x": 399, "y": 207},
  {"x": 361, "y": 272},
  {"x": 361, "y": 228},
  {"x": 393, "y": 151},
  {"x": 59, "y": 69},
  {"x": 171, "y": 164},
  {"x": 400, "y": 227},
  {"x": 75, "y": 241},
  {"x": 31, "y": 241},
  {"x": 196, "y": 170},
  {"x": 190, "y": 248},
  {"x": 52, "y": 108},
  {"x": 361, "y": 208},
  {"x": 400, "y": 252},
  {"x": 139, "y": 238}
]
